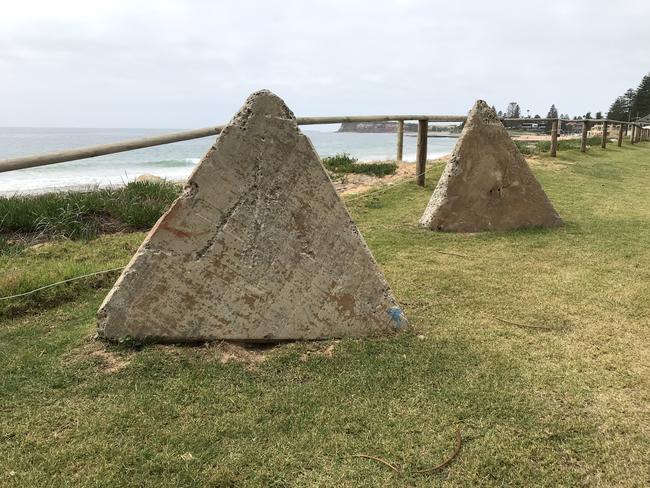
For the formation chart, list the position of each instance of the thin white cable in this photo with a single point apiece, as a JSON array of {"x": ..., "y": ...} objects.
[
  {"x": 60, "y": 283},
  {"x": 76, "y": 278}
]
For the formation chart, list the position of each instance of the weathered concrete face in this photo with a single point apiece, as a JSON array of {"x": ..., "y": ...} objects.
[
  {"x": 258, "y": 248},
  {"x": 487, "y": 184}
]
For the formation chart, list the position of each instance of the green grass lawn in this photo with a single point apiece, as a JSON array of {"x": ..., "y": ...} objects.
[{"x": 561, "y": 402}]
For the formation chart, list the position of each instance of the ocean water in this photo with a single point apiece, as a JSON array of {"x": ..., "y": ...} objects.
[{"x": 172, "y": 161}]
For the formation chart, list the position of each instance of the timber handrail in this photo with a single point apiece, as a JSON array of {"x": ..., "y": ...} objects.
[
  {"x": 45, "y": 159},
  {"x": 31, "y": 161},
  {"x": 103, "y": 149}
]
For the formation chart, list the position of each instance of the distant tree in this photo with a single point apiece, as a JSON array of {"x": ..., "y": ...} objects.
[
  {"x": 494, "y": 109},
  {"x": 622, "y": 107},
  {"x": 619, "y": 109},
  {"x": 552, "y": 113},
  {"x": 588, "y": 115},
  {"x": 630, "y": 94},
  {"x": 537, "y": 116},
  {"x": 500, "y": 114},
  {"x": 599, "y": 115},
  {"x": 641, "y": 101},
  {"x": 514, "y": 111}
]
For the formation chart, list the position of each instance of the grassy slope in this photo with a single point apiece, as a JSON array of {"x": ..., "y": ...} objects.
[{"x": 564, "y": 407}]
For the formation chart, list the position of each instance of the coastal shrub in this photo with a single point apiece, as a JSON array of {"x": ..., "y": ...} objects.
[
  {"x": 141, "y": 203},
  {"x": 344, "y": 163},
  {"x": 524, "y": 147},
  {"x": 83, "y": 215},
  {"x": 71, "y": 220},
  {"x": 7, "y": 247}
]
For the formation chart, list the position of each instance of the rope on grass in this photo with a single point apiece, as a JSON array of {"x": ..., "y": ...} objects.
[
  {"x": 525, "y": 326},
  {"x": 76, "y": 278},
  {"x": 445, "y": 463},
  {"x": 451, "y": 254},
  {"x": 452, "y": 456},
  {"x": 380, "y": 460}
]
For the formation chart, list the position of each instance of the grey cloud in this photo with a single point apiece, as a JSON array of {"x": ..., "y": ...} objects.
[{"x": 185, "y": 64}]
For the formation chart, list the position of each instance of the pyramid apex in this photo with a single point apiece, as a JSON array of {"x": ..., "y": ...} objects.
[
  {"x": 262, "y": 102},
  {"x": 483, "y": 113}
]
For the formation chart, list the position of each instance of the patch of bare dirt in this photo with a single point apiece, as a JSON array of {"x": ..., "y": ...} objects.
[
  {"x": 541, "y": 137},
  {"x": 352, "y": 183},
  {"x": 109, "y": 362},
  {"x": 319, "y": 349},
  {"x": 547, "y": 163},
  {"x": 251, "y": 355}
]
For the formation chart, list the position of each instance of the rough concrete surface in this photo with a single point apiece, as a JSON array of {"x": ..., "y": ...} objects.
[
  {"x": 258, "y": 248},
  {"x": 487, "y": 184}
]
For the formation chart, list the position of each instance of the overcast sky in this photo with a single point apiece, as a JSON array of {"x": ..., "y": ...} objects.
[{"x": 191, "y": 63}]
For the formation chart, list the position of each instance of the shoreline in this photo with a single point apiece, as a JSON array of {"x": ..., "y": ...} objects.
[{"x": 89, "y": 187}]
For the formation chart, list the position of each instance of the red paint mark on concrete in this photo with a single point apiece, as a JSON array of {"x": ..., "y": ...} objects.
[{"x": 176, "y": 232}]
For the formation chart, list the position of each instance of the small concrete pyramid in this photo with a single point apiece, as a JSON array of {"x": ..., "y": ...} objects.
[
  {"x": 259, "y": 247},
  {"x": 487, "y": 184}
]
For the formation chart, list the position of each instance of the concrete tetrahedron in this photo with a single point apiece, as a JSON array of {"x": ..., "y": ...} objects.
[
  {"x": 259, "y": 247},
  {"x": 487, "y": 184}
]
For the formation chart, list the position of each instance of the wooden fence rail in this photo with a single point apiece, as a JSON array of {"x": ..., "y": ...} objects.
[{"x": 637, "y": 134}]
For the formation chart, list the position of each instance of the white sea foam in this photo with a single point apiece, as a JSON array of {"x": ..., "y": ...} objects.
[{"x": 172, "y": 161}]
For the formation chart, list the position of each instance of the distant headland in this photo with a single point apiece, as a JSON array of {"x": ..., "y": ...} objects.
[
  {"x": 375, "y": 127},
  {"x": 388, "y": 127}
]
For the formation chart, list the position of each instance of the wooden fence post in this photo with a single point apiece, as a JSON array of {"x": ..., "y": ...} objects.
[
  {"x": 400, "y": 140},
  {"x": 620, "y": 135},
  {"x": 603, "y": 143},
  {"x": 583, "y": 140},
  {"x": 421, "y": 155},
  {"x": 632, "y": 134},
  {"x": 554, "y": 138}
]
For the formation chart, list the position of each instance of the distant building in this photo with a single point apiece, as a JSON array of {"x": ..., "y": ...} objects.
[
  {"x": 534, "y": 126},
  {"x": 573, "y": 127},
  {"x": 644, "y": 121},
  {"x": 597, "y": 130}
]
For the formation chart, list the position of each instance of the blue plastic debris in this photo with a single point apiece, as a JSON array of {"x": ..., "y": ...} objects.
[{"x": 397, "y": 316}]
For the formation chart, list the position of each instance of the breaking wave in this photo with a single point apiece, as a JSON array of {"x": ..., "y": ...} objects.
[{"x": 174, "y": 163}]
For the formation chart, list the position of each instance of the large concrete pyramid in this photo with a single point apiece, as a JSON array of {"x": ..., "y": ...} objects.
[
  {"x": 487, "y": 184},
  {"x": 258, "y": 248}
]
